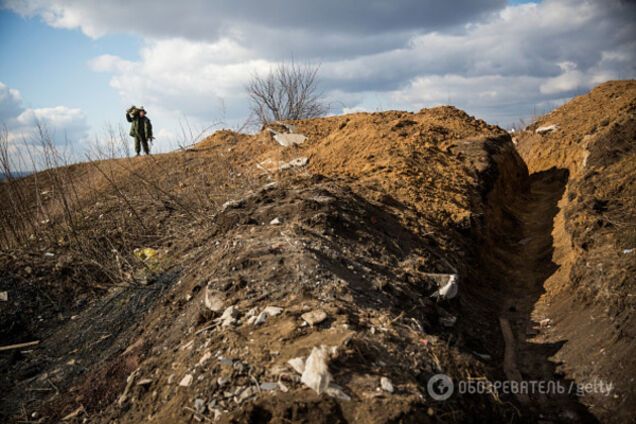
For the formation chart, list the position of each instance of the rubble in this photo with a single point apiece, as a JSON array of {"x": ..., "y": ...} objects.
[
  {"x": 186, "y": 380},
  {"x": 386, "y": 385},
  {"x": 546, "y": 129},
  {"x": 229, "y": 316},
  {"x": 213, "y": 301},
  {"x": 314, "y": 317},
  {"x": 294, "y": 163}
]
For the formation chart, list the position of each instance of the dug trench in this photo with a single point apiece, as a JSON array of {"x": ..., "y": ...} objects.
[{"x": 386, "y": 200}]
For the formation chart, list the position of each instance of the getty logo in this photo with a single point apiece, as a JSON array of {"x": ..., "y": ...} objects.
[{"x": 440, "y": 387}]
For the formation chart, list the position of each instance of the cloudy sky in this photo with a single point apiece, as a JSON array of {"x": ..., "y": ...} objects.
[{"x": 76, "y": 65}]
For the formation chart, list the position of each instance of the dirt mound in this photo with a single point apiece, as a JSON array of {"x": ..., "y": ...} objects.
[
  {"x": 591, "y": 296},
  {"x": 359, "y": 231},
  {"x": 336, "y": 248}
]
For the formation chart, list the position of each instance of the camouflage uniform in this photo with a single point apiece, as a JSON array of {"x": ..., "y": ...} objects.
[{"x": 140, "y": 129}]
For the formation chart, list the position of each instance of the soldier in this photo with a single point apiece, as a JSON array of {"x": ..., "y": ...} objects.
[{"x": 140, "y": 128}]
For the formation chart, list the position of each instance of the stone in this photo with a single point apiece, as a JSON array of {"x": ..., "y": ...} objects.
[
  {"x": 386, "y": 385},
  {"x": 199, "y": 406},
  {"x": 269, "y": 386},
  {"x": 314, "y": 317},
  {"x": 213, "y": 301},
  {"x": 186, "y": 380},
  {"x": 229, "y": 316}
]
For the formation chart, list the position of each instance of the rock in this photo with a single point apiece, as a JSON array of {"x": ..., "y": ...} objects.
[
  {"x": 297, "y": 364},
  {"x": 546, "y": 129},
  {"x": 386, "y": 385},
  {"x": 186, "y": 380},
  {"x": 294, "y": 163},
  {"x": 213, "y": 301},
  {"x": 204, "y": 358},
  {"x": 314, "y": 317},
  {"x": 269, "y": 386},
  {"x": 275, "y": 221},
  {"x": 245, "y": 394},
  {"x": 229, "y": 316},
  {"x": 316, "y": 374},
  {"x": 199, "y": 406},
  {"x": 545, "y": 323},
  {"x": 287, "y": 140},
  {"x": 269, "y": 311},
  {"x": 4, "y": 296},
  {"x": 272, "y": 311}
]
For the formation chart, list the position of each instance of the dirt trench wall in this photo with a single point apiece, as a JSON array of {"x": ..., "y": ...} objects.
[{"x": 591, "y": 298}]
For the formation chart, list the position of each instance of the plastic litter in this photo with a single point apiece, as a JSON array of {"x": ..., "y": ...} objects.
[
  {"x": 449, "y": 289},
  {"x": 316, "y": 374}
]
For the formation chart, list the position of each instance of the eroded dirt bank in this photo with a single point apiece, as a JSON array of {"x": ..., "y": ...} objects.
[{"x": 589, "y": 296}]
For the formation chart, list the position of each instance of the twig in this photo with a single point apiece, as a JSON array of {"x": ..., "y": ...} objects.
[{"x": 19, "y": 345}]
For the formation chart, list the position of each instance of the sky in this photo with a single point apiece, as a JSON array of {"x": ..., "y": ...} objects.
[{"x": 76, "y": 65}]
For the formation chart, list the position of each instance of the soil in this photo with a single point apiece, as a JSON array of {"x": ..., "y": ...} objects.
[{"x": 385, "y": 200}]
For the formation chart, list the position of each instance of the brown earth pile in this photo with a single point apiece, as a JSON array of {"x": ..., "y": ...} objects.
[
  {"x": 349, "y": 225},
  {"x": 592, "y": 296},
  {"x": 385, "y": 200}
]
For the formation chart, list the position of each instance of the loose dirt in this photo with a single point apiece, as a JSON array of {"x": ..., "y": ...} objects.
[{"x": 384, "y": 201}]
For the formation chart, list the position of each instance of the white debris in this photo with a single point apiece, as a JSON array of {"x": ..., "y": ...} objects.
[
  {"x": 287, "y": 140},
  {"x": 269, "y": 386},
  {"x": 314, "y": 317},
  {"x": 294, "y": 163},
  {"x": 269, "y": 311},
  {"x": 628, "y": 251},
  {"x": 275, "y": 221},
  {"x": 386, "y": 385},
  {"x": 4, "y": 296},
  {"x": 449, "y": 289},
  {"x": 213, "y": 301},
  {"x": 229, "y": 316},
  {"x": 272, "y": 311},
  {"x": 245, "y": 394},
  {"x": 298, "y": 364},
  {"x": 546, "y": 129},
  {"x": 207, "y": 355},
  {"x": 49, "y": 254},
  {"x": 316, "y": 374},
  {"x": 186, "y": 380}
]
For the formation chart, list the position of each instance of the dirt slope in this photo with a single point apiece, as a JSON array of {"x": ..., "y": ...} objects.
[
  {"x": 384, "y": 200},
  {"x": 591, "y": 295}
]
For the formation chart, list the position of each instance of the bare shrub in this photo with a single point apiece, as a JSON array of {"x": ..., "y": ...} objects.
[{"x": 287, "y": 92}]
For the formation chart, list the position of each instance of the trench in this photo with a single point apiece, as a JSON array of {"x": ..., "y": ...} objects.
[{"x": 530, "y": 263}]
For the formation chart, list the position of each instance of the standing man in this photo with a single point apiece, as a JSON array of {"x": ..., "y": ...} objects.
[{"x": 140, "y": 128}]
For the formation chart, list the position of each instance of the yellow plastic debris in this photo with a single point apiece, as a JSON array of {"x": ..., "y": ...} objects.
[{"x": 145, "y": 253}]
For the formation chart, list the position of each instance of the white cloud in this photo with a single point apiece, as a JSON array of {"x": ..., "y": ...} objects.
[
  {"x": 65, "y": 126},
  {"x": 496, "y": 61}
]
